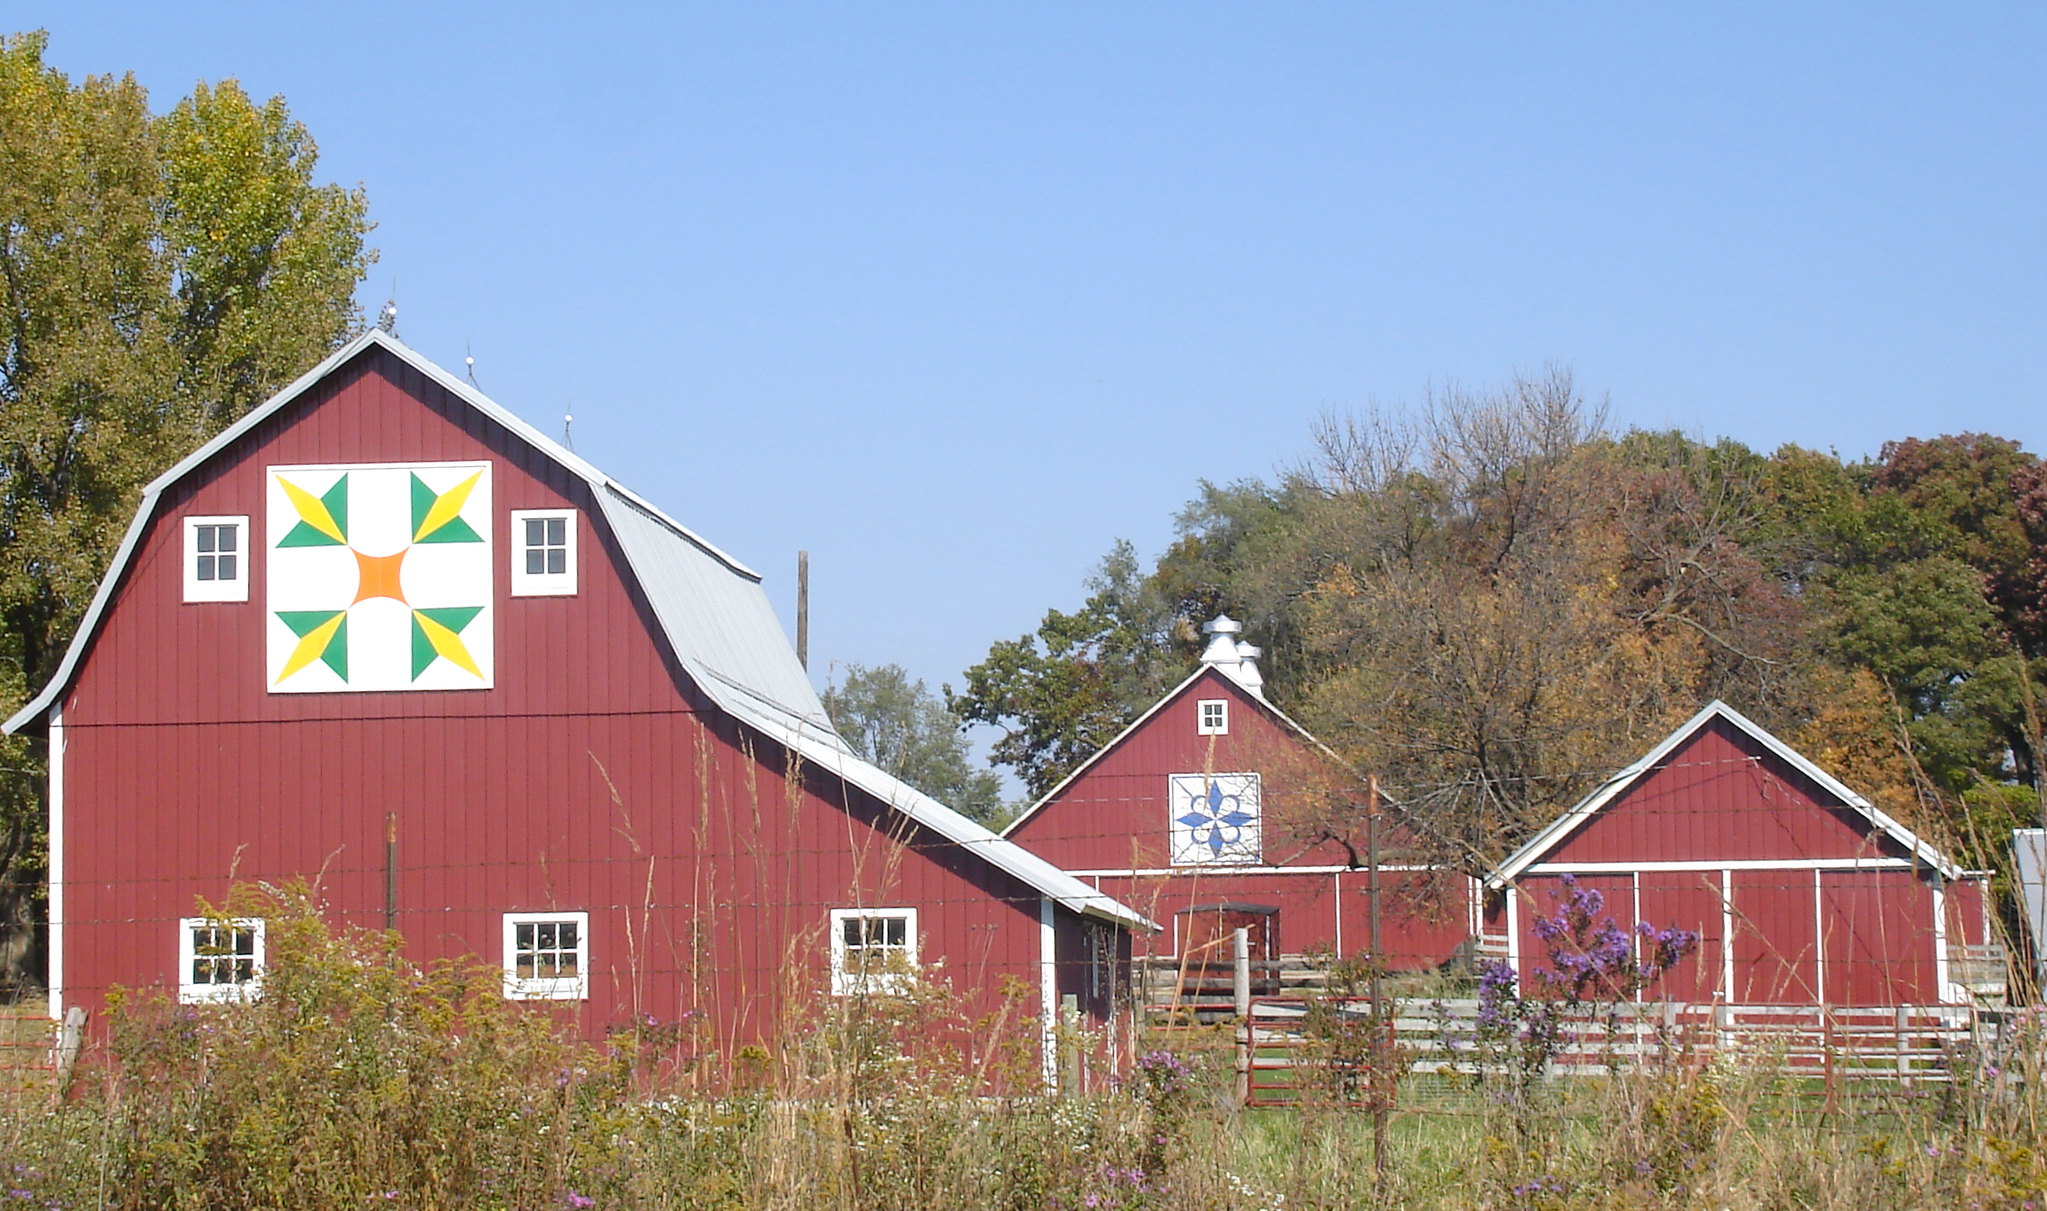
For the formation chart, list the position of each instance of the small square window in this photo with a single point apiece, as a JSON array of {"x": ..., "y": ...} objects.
[
  {"x": 219, "y": 958},
  {"x": 216, "y": 559},
  {"x": 547, "y": 956},
  {"x": 873, "y": 949},
  {"x": 543, "y": 552},
  {"x": 1214, "y": 717}
]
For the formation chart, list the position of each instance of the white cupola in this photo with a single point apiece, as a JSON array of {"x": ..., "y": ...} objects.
[{"x": 1239, "y": 660}]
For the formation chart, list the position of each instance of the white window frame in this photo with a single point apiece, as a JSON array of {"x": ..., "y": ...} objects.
[
  {"x": 192, "y": 991},
  {"x": 846, "y": 982},
  {"x": 1212, "y": 722},
  {"x": 547, "y": 988},
  {"x": 543, "y": 584},
  {"x": 216, "y": 589}
]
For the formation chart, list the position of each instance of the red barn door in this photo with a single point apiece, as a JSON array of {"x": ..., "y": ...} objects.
[
  {"x": 1687, "y": 899},
  {"x": 1878, "y": 938},
  {"x": 1776, "y": 942}
]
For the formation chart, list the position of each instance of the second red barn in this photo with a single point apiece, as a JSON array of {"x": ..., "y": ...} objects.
[{"x": 1214, "y": 810}]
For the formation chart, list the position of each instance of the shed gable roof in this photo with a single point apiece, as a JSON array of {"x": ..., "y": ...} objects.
[
  {"x": 712, "y": 612},
  {"x": 1564, "y": 826}
]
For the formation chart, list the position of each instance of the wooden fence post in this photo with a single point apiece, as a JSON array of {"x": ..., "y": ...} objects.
[
  {"x": 70, "y": 1037},
  {"x": 1827, "y": 1046},
  {"x": 1904, "y": 1057}
]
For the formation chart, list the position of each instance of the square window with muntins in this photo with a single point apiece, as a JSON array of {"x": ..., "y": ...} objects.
[
  {"x": 543, "y": 552},
  {"x": 216, "y": 559},
  {"x": 1212, "y": 717},
  {"x": 873, "y": 950},
  {"x": 547, "y": 956},
  {"x": 219, "y": 958}
]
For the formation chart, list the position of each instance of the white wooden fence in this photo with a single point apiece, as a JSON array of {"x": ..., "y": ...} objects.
[{"x": 1284, "y": 1040}]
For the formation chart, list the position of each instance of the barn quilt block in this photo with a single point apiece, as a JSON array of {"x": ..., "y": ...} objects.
[
  {"x": 379, "y": 578},
  {"x": 1214, "y": 818}
]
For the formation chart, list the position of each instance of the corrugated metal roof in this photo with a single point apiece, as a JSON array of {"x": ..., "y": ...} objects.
[
  {"x": 711, "y": 607},
  {"x": 2029, "y": 847},
  {"x": 720, "y": 624}
]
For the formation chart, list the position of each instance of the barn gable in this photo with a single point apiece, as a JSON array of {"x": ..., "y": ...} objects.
[
  {"x": 1799, "y": 891},
  {"x": 1720, "y": 789},
  {"x": 1215, "y": 796},
  {"x": 712, "y": 618}
]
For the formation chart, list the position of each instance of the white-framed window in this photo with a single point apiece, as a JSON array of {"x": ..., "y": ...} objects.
[
  {"x": 1213, "y": 717},
  {"x": 1213, "y": 819},
  {"x": 219, "y": 958},
  {"x": 873, "y": 949},
  {"x": 216, "y": 559},
  {"x": 547, "y": 956},
  {"x": 543, "y": 552}
]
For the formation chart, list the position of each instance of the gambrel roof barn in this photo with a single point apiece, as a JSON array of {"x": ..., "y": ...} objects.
[{"x": 382, "y": 602}]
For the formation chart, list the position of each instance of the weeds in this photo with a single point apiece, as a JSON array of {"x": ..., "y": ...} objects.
[{"x": 358, "y": 1081}]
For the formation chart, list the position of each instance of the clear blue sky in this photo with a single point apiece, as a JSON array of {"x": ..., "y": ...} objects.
[{"x": 955, "y": 295}]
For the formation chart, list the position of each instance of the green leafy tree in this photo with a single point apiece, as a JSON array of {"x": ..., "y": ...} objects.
[
  {"x": 161, "y": 274},
  {"x": 1491, "y": 603},
  {"x": 1062, "y": 692},
  {"x": 1929, "y": 586},
  {"x": 906, "y": 729}
]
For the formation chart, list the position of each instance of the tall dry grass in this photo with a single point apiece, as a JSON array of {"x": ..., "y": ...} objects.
[{"x": 357, "y": 1080}]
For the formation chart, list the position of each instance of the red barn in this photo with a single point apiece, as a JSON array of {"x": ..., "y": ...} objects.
[
  {"x": 1802, "y": 891},
  {"x": 380, "y": 601},
  {"x": 1214, "y": 800}
]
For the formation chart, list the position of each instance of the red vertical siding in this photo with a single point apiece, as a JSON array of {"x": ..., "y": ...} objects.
[
  {"x": 1968, "y": 907},
  {"x": 1423, "y": 915},
  {"x": 1687, "y": 900},
  {"x": 1878, "y": 938},
  {"x": 1721, "y": 796},
  {"x": 1776, "y": 938},
  {"x": 590, "y": 778},
  {"x": 1546, "y": 897}
]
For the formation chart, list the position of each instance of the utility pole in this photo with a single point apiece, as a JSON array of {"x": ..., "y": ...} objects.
[
  {"x": 803, "y": 608},
  {"x": 1379, "y": 1019}
]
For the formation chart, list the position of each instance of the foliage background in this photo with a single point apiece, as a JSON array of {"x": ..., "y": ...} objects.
[
  {"x": 163, "y": 273},
  {"x": 1496, "y": 599}
]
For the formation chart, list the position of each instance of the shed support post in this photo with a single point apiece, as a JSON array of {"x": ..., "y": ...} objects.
[
  {"x": 1904, "y": 1057},
  {"x": 1069, "y": 1045},
  {"x": 1048, "y": 995},
  {"x": 1246, "y": 1034}
]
